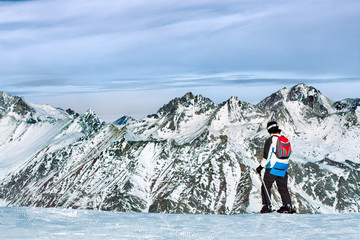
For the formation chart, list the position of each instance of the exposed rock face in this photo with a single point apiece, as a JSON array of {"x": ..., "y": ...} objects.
[
  {"x": 195, "y": 156},
  {"x": 124, "y": 120},
  {"x": 309, "y": 96},
  {"x": 13, "y": 104}
]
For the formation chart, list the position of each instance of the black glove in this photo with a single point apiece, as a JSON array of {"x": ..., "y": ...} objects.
[{"x": 258, "y": 169}]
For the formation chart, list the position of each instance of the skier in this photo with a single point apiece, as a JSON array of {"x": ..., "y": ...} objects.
[{"x": 276, "y": 166}]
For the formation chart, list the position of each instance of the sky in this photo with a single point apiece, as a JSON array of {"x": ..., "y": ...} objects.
[{"x": 132, "y": 57}]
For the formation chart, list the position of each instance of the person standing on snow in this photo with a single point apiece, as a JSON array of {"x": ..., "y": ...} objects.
[{"x": 276, "y": 162}]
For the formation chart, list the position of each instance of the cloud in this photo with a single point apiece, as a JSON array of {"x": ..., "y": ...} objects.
[
  {"x": 64, "y": 38},
  {"x": 186, "y": 82},
  {"x": 58, "y": 47}
]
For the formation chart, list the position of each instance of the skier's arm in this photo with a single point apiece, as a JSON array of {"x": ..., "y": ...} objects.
[{"x": 267, "y": 148}]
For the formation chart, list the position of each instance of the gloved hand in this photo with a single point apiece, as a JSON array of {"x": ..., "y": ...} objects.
[{"x": 258, "y": 169}]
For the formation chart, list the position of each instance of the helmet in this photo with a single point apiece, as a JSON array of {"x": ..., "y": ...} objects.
[{"x": 273, "y": 127}]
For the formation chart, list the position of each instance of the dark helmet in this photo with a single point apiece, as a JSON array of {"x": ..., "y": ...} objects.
[{"x": 273, "y": 127}]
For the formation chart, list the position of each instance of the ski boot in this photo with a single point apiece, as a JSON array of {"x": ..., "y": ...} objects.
[
  {"x": 286, "y": 209},
  {"x": 266, "y": 209}
]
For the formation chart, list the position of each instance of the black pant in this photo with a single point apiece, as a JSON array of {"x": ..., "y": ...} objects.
[{"x": 281, "y": 183}]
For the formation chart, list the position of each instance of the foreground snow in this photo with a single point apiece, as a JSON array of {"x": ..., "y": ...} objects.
[{"x": 40, "y": 223}]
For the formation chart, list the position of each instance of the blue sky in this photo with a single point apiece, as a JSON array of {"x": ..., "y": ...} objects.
[{"x": 131, "y": 57}]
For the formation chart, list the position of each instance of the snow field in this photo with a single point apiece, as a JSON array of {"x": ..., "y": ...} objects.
[
  {"x": 22, "y": 141},
  {"x": 40, "y": 223}
]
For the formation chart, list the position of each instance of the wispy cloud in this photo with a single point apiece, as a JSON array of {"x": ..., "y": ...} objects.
[
  {"x": 54, "y": 47},
  {"x": 65, "y": 37},
  {"x": 53, "y": 87}
]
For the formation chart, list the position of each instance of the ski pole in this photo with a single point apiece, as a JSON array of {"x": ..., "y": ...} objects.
[{"x": 267, "y": 193}]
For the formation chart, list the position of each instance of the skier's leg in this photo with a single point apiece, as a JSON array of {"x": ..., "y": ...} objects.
[
  {"x": 268, "y": 180},
  {"x": 281, "y": 183}
]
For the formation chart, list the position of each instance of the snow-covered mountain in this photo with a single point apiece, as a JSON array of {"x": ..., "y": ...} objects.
[
  {"x": 192, "y": 156},
  {"x": 27, "y": 128}
]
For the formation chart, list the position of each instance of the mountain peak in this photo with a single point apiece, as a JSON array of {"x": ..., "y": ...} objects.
[
  {"x": 91, "y": 116},
  {"x": 90, "y": 121},
  {"x": 307, "y": 95},
  {"x": 124, "y": 120},
  {"x": 310, "y": 97},
  {"x": 13, "y": 104},
  {"x": 189, "y": 95},
  {"x": 186, "y": 101},
  {"x": 302, "y": 85},
  {"x": 302, "y": 91},
  {"x": 2, "y": 93}
]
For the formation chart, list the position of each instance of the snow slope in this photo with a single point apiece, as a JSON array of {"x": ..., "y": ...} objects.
[
  {"x": 41, "y": 224},
  {"x": 21, "y": 140}
]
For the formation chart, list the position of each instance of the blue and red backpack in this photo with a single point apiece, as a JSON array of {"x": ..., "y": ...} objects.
[
  {"x": 283, "y": 147},
  {"x": 283, "y": 151}
]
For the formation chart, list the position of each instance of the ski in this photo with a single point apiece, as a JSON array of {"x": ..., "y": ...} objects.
[
  {"x": 275, "y": 211},
  {"x": 286, "y": 212}
]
